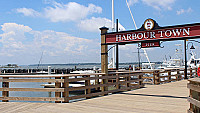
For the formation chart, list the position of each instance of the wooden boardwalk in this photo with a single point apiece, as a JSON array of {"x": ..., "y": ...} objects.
[{"x": 165, "y": 98}]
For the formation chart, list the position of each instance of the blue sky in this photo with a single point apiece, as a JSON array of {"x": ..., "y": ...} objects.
[{"x": 66, "y": 31}]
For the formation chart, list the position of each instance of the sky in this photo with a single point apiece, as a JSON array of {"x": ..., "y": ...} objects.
[{"x": 67, "y": 31}]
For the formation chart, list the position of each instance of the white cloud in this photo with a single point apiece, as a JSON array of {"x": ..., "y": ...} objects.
[
  {"x": 182, "y": 11},
  {"x": 8, "y": 27},
  {"x": 13, "y": 36},
  {"x": 71, "y": 11},
  {"x": 131, "y": 2},
  {"x": 93, "y": 24},
  {"x": 20, "y": 42},
  {"x": 160, "y": 4},
  {"x": 28, "y": 12}
]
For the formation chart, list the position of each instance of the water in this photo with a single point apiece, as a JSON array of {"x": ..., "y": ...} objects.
[{"x": 27, "y": 93}]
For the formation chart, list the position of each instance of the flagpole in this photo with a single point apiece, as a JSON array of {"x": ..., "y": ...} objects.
[{"x": 113, "y": 28}]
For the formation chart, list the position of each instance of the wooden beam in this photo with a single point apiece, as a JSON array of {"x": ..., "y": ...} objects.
[
  {"x": 193, "y": 87},
  {"x": 32, "y": 80},
  {"x": 34, "y": 89},
  {"x": 32, "y": 98},
  {"x": 194, "y": 101}
]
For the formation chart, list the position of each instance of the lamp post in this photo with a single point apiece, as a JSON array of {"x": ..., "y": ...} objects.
[{"x": 185, "y": 48}]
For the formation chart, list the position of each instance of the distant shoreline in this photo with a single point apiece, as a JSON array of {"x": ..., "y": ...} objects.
[{"x": 88, "y": 64}]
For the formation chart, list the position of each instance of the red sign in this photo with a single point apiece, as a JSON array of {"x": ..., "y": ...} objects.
[
  {"x": 162, "y": 33},
  {"x": 150, "y": 44}
]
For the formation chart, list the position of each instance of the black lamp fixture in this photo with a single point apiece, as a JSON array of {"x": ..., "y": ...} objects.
[{"x": 192, "y": 47}]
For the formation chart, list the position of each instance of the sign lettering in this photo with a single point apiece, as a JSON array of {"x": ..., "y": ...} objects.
[{"x": 150, "y": 44}]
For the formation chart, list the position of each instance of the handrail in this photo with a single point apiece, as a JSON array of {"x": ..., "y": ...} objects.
[
  {"x": 101, "y": 83},
  {"x": 167, "y": 75},
  {"x": 193, "y": 99}
]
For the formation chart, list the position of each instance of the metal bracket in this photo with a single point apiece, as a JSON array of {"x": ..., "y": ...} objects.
[{"x": 160, "y": 45}]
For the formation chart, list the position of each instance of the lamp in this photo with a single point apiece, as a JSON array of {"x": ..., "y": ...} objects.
[
  {"x": 192, "y": 47},
  {"x": 186, "y": 47}
]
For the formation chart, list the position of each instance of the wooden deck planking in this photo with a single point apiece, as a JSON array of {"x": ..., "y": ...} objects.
[{"x": 165, "y": 98}]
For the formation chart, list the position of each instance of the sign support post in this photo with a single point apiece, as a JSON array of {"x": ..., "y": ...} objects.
[
  {"x": 185, "y": 72},
  {"x": 117, "y": 49}
]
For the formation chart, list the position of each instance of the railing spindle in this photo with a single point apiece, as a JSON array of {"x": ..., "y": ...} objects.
[
  {"x": 57, "y": 85},
  {"x": 5, "y": 85},
  {"x": 66, "y": 92}
]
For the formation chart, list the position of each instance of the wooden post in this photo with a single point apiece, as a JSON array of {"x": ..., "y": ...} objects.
[
  {"x": 185, "y": 73},
  {"x": 196, "y": 72},
  {"x": 57, "y": 85},
  {"x": 156, "y": 77},
  {"x": 87, "y": 91},
  {"x": 104, "y": 57},
  {"x": 140, "y": 77},
  {"x": 97, "y": 80},
  {"x": 66, "y": 91},
  {"x": 5, "y": 85},
  {"x": 178, "y": 75},
  {"x": 128, "y": 78},
  {"x": 191, "y": 73},
  {"x": 169, "y": 76},
  {"x": 191, "y": 106},
  {"x": 117, "y": 80}
]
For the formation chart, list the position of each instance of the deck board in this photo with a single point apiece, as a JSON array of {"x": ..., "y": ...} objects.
[{"x": 165, "y": 98}]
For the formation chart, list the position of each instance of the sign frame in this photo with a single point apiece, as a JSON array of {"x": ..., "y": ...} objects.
[{"x": 187, "y": 31}]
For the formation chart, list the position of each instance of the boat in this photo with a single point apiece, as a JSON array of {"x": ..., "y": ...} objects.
[
  {"x": 193, "y": 62},
  {"x": 175, "y": 61}
]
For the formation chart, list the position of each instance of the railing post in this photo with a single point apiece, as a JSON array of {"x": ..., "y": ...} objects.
[
  {"x": 66, "y": 91},
  {"x": 117, "y": 80},
  {"x": 156, "y": 77},
  {"x": 97, "y": 80},
  {"x": 87, "y": 91},
  {"x": 140, "y": 82},
  {"x": 177, "y": 76},
  {"x": 128, "y": 81},
  {"x": 194, "y": 96},
  {"x": 57, "y": 85},
  {"x": 169, "y": 76},
  {"x": 191, "y": 106},
  {"x": 5, "y": 85},
  {"x": 154, "y": 80},
  {"x": 196, "y": 75},
  {"x": 185, "y": 73},
  {"x": 191, "y": 73}
]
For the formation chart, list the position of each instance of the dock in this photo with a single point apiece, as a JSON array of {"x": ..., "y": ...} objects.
[{"x": 164, "y": 98}]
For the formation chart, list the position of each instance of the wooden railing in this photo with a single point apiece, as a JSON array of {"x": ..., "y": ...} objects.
[
  {"x": 95, "y": 84},
  {"x": 194, "y": 86},
  {"x": 159, "y": 76}
]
